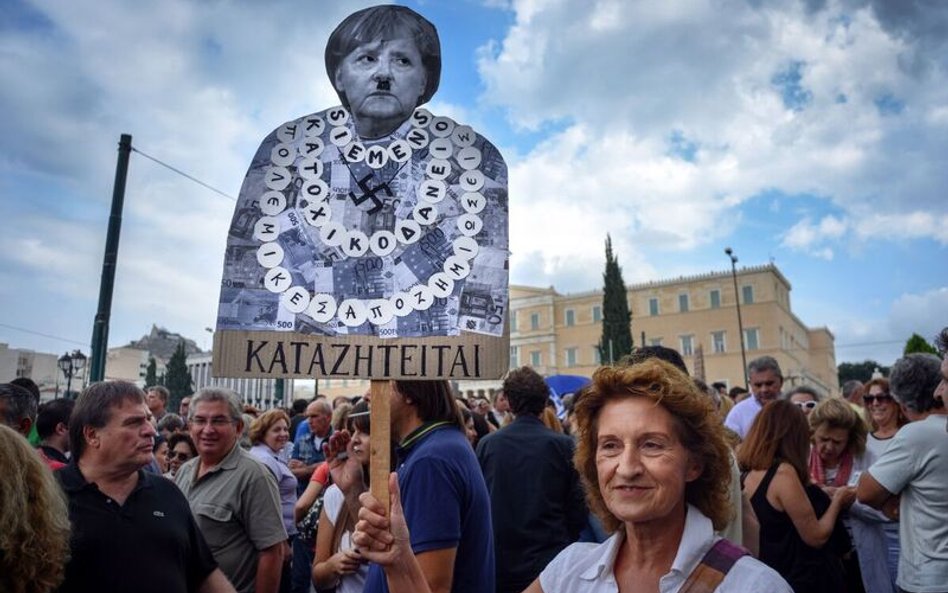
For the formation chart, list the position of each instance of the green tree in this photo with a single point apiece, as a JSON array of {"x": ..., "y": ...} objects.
[
  {"x": 616, "y": 339},
  {"x": 177, "y": 378},
  {"x": 918, "y": 344},
  {"x": 151, "y": 374},
  {"x": 860, "y": 371}
]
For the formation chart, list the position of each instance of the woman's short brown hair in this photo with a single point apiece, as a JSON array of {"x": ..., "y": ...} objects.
[
  {"x": 698, "y": 427},
  {"x": 779, "y": 434},
  {"x": 263, "y": 423},
  {"x": 883, "y": 384},
  {"x": 837, "y": 413}
]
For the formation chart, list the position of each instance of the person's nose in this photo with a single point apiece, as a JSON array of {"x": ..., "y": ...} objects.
[
  {"x": 629, "y": 462},
  {"x": 383, "y": 70}
]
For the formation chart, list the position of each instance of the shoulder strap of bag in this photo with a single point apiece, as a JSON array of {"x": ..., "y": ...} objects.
[{"x": 716, "y": 563}]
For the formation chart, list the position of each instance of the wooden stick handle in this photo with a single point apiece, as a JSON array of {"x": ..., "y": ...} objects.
[{"x": 380, "y": 439}]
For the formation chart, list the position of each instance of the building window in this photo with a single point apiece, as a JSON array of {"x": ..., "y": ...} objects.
[
  {"x": 747, "y": 295},
  {"x": 715, "y": 299},
  {"x": 534, "y": 321},
  {"x": 513, "y": 321},
  {"x": 751, "y": 338},
  {"x": 514, "y": 357},
  {"x": 570, "y": 317},
  {"x": 655, "y": 341},
  {"x": 683, "y": 303},
  {"x": 535, "y": 358},
  {"x": 687, "y": 345},
  {"x": 597, "y": 355},
  {"x": 571, "y": 357},
  {"x": 719, "y": 342},
  {"x": 653, "y": 306},
  {"x": 597, "y": 313}
]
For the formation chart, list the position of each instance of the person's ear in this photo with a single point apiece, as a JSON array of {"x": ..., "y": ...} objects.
[
  {"x": 91, "y": 436},
  {"x": 62, "y": 429},
  {"x": 25, "y": 425},
  {"x": 337, "y": 81},
  {"x": 694, "y": 471}
]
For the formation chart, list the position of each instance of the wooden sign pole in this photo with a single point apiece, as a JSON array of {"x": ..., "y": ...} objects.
[{"x": 380, "y": 439}]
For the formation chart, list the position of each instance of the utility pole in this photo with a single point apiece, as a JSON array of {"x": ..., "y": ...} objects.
[
  {"x": 740, "y": 324},
  {"x": 100, "y": 329}
]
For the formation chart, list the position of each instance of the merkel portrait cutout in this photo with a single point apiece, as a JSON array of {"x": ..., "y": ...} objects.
[{"x": 374, "y": 227}]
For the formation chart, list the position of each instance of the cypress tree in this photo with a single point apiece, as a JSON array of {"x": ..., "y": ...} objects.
[
  {"x": 177, "y": 378},
  {"x": 616, "y": 339}
]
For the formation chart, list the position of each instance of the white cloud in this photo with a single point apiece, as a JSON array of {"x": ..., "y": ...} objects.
[
  {"x": 922, "y": 314},
  {"x": 627, "y": 76}
]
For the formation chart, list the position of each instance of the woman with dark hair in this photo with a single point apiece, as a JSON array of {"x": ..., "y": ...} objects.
[
  {"x": 337, "y": 563},
  {"x": 797, "y": 519},
  {"x": 180, "y": 449}
]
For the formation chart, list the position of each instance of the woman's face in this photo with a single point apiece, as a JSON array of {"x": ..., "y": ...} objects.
[
  {"x": 882, "y": 408},
  {"x": 470, "y": 431},
  {"x": 359, "y": 446},
  {"x": 830, "y": 444},
  {"x": 177, "y": 456},
  {"x": 804, "y": 401},
  {"x": 641, "y": 465},
  {"x": 161, "y": 456},
  {"x": 277, "y": 435}
]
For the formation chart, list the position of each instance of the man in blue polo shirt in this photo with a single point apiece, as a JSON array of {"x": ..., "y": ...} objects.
[{"x": 443, "y": 492}]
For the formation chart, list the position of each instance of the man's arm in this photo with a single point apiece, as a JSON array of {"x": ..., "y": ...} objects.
[
  {"x": 870, "y": 492},
  {"x": 302, "y": 471},
  {"x": 438, "y": 568},
  {"x": 269, "y": 569},
  {"x": 216, "y": 582}
]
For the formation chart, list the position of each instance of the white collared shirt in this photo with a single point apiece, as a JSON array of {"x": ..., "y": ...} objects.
[{"x": 588, "y": 568}]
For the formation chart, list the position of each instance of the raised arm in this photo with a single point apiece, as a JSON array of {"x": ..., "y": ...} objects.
[{"x": 789, "y": 493}]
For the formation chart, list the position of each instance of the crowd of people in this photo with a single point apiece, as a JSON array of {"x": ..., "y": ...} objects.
[{"x": 645, "y": 484}]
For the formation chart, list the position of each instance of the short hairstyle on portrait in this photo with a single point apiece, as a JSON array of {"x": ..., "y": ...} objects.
[
  {"x": 836, "y": 412},
  {"x": 161, "y": 390},
  {"x": 526, "y": 391},
  {"x": 699, "y": 430},
  {"x": 51, "y": 414},
  {"x": 433, "y": 400},
  {"x": 28, "y": 384},
  {"x": 913, "y": 380},
  {"x": 34, "y": 540},
  {"x": 20, "y": 404},
  {"x": 764, "y": 363},
  {"x": 218, "y": 394},
  {"x": 779, "y": 433},
  {"x": 94, "y": 409},
  {"x": 171, "y": 423},
  {"x": 180, "y": 437},
  {"x": 386, "y": 22},
  {"x": 665, "y": 353},
  {"x": 803, "y": 389},
  {"x": 264, "y": 422}
]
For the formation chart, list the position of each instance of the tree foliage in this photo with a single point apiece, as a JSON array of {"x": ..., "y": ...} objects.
[
  {"x": 860, "y": 371},
  {"x": 151, "y": 373},
  {"x": 177, "y": 378},
  {"x": 616, "y": 339},
  {"x": 918, "y": 344}
]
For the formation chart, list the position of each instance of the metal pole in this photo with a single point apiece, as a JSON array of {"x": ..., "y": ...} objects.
[
  {"x": 68, "y": 382},
  {"x": 740, "y": 323},
  {"x": 100, "y": 329}
]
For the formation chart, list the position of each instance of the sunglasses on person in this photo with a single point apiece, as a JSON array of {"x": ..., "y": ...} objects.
[
  {"x": 179, "y": 455},
  {"x": 881, "y": 398},
  {"x": 807, "y": 405}
]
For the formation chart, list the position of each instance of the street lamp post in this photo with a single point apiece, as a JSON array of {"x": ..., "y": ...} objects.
[
  {"x": 737, "y": 301},
  {"x": 70, "y": 365}
]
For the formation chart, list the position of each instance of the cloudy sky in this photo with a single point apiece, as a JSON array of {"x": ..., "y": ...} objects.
[{"x": 812, "y": 134}]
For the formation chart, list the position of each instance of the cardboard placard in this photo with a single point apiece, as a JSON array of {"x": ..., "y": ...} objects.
[{"x": 370, "y": 239}]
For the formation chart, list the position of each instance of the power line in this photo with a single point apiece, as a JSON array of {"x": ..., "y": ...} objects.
[
  {"x": 35, "y": 333},
  {"x": 183, "y": 174}
]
